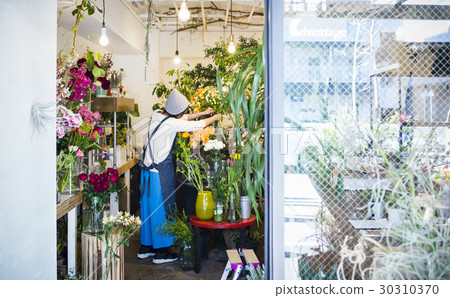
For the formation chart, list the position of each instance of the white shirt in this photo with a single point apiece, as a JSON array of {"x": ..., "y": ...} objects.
[{"x": 161, "y": 143}]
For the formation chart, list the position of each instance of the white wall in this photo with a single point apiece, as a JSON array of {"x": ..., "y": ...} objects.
[{"x": 28, "y": 164}]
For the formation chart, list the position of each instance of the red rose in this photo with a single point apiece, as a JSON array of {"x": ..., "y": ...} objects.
[
  {"x": 104, "y": 177},
  {"x": 98, "y": 185},
  {"x": 91, "y": 182},
  {"x": 91, "y": 175},
  {"x": 115, "y": 173},
  {"x": 113, "y": 179},
  {"x": 109, "y": 170},
  {"x": 83, "y": 176},
  {"x": 105, "y": 185}
]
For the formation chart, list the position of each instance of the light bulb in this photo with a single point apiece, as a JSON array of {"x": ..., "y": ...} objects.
[
  {"x": 177, "y": 58},
  {"x": 103, "y": 39},
  {"x": 184, "y": 13},
  {"x": 231, "y": 47}
]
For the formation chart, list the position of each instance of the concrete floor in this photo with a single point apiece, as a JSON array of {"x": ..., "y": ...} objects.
[{"x": 137, "y": 269}]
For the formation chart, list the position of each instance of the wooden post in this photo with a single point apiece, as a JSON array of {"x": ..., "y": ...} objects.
[{"x": 94, "y": 263}]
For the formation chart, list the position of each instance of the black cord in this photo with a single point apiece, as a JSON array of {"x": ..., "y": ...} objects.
[
  {"x": 177, "y": 33},
  {"x": 231, "y": 16},
  {"x": 103, "y": 13}
]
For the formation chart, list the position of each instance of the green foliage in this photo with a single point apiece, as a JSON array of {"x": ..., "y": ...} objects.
[
  {"x": 246, "y": 101},
  {"x": 201, "y": 76},
  {"x": 256, "y": 274},
  {"x": 230, "y": 64},
  {"x": 176, "y": 226}
]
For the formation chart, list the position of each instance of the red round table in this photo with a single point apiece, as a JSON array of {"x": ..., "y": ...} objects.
[{"x": 211, "y": 224}]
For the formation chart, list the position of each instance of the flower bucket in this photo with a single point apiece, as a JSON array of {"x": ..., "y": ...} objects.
[
  {"x": 204, "y": 205},
  {"x": 245, "y": 207}
]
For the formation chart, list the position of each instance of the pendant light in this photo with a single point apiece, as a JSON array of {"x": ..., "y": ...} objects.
[
  {"x": 103, "y": 39},
  {"x": 177, "y": 58},
  {"x": 184, "y": 14},
  {"x": 231, "y": 45}
]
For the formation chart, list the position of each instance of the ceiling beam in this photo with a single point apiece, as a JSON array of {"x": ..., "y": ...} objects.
[
  {"x": 252, "y": 11},
  {"x": 158, "y": 21},
  {"x": 226, "y": 14},
  {"x": 203, "y": 15}
]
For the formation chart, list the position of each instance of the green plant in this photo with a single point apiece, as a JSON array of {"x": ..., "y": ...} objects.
[
  {"x": 176, "y": 226},
  {"x": 116, "y": 78},
  {"x": 256, "y": 274},
  {"x": 246, "y": 101},
  {"x": 79, "y": 11},
  {"x": 117, "y": 230}
]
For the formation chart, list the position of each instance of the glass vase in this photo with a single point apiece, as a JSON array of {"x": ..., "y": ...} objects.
[
  {"x": 233, "y": 214},
  {"x": 68, "y": 181},
  {"x": 218, "y": 212},
  {"x": 187, "y": 255},
  {"x": 93, "y": 215}
]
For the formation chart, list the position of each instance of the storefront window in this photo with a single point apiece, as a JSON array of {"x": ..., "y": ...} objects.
[{"x": 370, "y": 82}]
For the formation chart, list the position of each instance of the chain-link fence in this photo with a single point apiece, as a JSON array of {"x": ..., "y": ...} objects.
[{"x": 367, "y": 110}]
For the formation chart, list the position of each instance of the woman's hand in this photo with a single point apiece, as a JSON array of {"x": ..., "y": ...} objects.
[
  {"x": 208, "y": 111},
  {"x": 217, "y": 117}
]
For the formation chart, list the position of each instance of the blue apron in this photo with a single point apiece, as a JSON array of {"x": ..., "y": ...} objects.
[{"x": 157, "y": 198}]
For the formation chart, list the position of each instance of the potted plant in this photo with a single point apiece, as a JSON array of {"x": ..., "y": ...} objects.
[
  {"x": 176, "y": 226},
  {"x": 116, "y": 79}
]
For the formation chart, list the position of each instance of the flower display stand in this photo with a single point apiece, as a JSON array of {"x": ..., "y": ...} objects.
[{"x": 94, "y": 263}]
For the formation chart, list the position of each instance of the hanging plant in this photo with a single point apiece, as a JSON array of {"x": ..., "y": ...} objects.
[
  {"x": 147, "y": 41},
  {"x": 85, "y": 6}
]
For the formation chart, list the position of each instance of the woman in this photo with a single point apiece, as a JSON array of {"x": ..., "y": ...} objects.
[{"x": 158, "y": 173}]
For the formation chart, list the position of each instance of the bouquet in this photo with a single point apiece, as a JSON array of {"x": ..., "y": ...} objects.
[{"x": 98, "y": 188}]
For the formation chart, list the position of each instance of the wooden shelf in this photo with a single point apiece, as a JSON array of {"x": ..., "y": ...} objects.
[
  {"x": 68, "y": 204},
  {"x": 112, "y": 104}
]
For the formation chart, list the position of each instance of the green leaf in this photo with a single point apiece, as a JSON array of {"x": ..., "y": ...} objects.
[
  {"x": 98, "y": 72},
  {"x": 74, "y": 12},
  {"x": 91, "y": 10}
]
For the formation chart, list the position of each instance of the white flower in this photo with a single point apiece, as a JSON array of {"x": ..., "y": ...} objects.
[{"x": 214, "y": 144}]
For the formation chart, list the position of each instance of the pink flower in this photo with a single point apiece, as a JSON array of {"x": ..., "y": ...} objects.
[
  {"x": 105, "y": 148},
  {"x": 94, "y": 87},
  {"x": 80, "y": 153},
  {"x": 96, "y": 115},
  {"x": 403, "y": 118}
]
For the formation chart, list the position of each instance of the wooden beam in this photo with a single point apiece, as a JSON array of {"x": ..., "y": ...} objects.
[
  {"x": 226, "y": 14},
  {"x": 203, "y": 15},
  {"x": 158, "y": 21},
  {"x": 252, "y": 11}
]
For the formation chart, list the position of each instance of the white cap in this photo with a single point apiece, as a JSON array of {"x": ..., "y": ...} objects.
[{"x": 176, "y": 103}]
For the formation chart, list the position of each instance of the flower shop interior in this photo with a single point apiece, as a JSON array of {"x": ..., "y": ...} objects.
[{"x": 330, "y": 158}]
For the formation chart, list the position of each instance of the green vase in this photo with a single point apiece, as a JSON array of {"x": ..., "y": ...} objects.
[
  {"x": 204, "y": 205},
  {"x": 187, "y": 255}
]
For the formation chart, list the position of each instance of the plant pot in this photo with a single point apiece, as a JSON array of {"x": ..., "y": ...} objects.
[
  {"x": 246, "y": 205},
  {"x": 100, "y": 92},
  {"x": 204, "y": 205}
]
